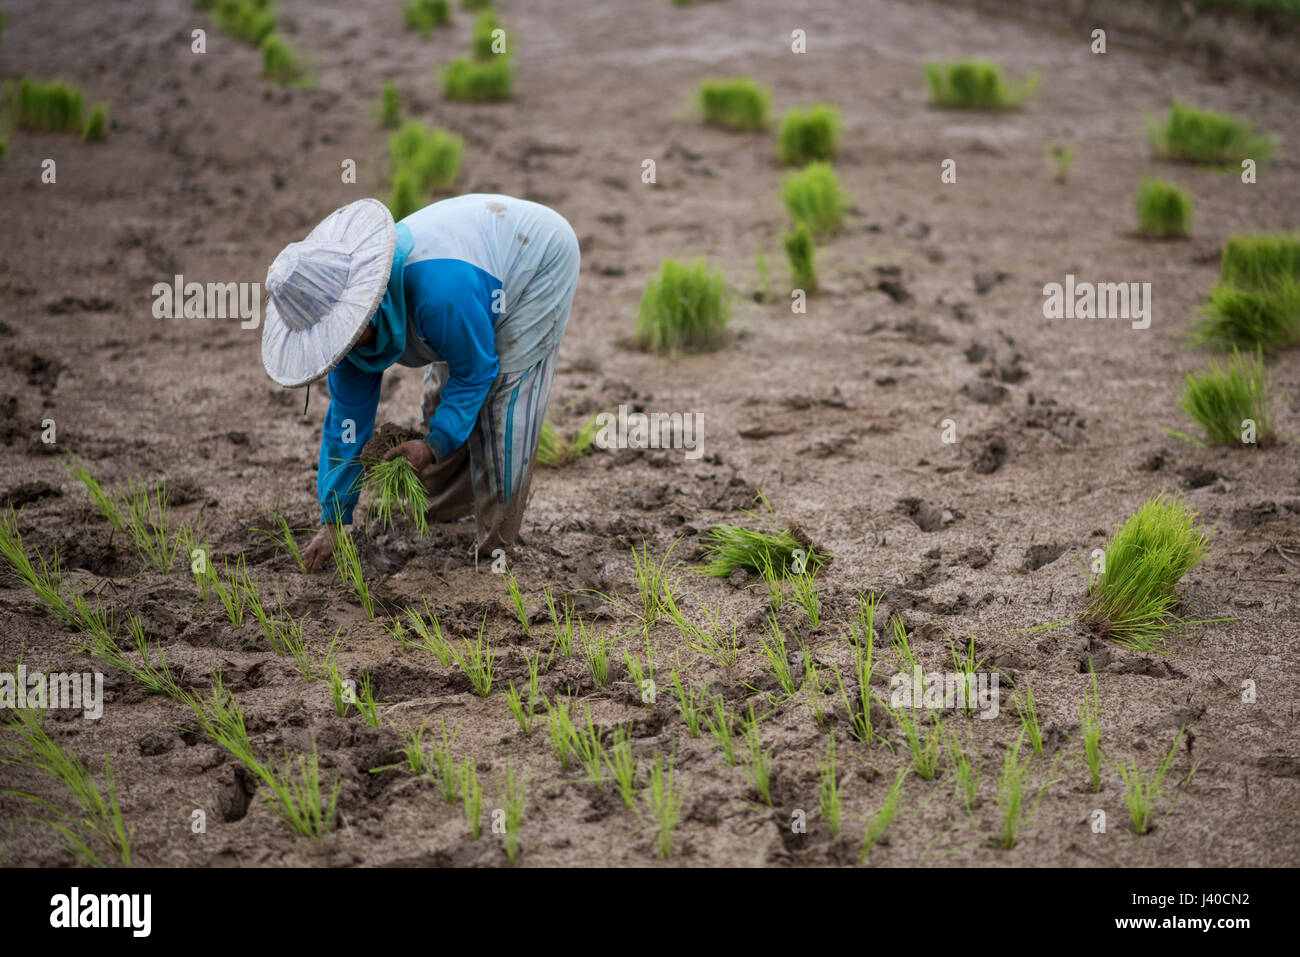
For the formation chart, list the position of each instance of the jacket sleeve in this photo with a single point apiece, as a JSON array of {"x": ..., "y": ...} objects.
[
  {"x": 462, "y": 335},
  {"x": 349, "y": 423}
]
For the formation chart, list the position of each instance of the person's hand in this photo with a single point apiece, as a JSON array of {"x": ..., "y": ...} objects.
[
  {"x": 416, "y": 451},
  {"x": 318, "y": 552}
]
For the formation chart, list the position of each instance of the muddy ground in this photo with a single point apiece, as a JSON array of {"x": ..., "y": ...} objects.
[{"x": 932, "y": 310}]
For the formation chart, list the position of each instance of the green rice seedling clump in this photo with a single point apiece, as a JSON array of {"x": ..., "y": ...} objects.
[
  {"x": 250, "y": 21},
  {"x": 685, "y": 308},
  {"x": 1193, "y": 135},
  {"x": 737, "y": 103},
  {"x": 1062, "y": 161},
  {"x": 975, "y": 85},
  {"x": 800, "y": 250},
  {"x": 1231, "y": 403},
  {"x": 54, "y": 107},
  {"x": 280, "y": 62},
  {"x": 390, "y": 108},
  {"x": 664, "y": 803},
  {"x": 1163, "y": 210},
  {"x": 1259, "y": 260},
  {"x": 808, "y": 135},
  {"x": 433, "y": 155},
  {"x": 1142, "y": 789},
  {"x": 729, "y": 547},
  {"x": 813, "y": 196},
  {"x": 485, "y": 42},
  {"x": 473, "y": 81},
  {"x": 884, "y": 817},
  {"x": 395, "y": 489},
  {"x": 425, "y": 15},
  {"x": 1132, "y": 601},
  {"x": 552, "y": 447},
  {"x": 96, "y": 128},
  {"x": 1257, "y": 300}
]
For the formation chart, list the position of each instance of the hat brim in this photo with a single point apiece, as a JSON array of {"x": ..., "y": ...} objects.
[{"x": 295, "y": 357}]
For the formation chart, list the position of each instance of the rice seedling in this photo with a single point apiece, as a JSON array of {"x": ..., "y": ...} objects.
[
  {"x": 799, "y": 249},
  {"x": 588, "y": 745},
  {"x": 757, "y": 763},
  {"x": 430, "y": 632},
  {"x": 561, "y": 730},
  {"x": 859, "y": 705},
  {"x": 1133, "y": 601},
  {"x": 366, "y": 702},
  {"x": 406, "y": 197},
  {"x": 1238, "y": 317},
  {"x": 877, "y": 826},
  {"x": 54, "y": 107},
  {"x": 99, "y": 642},
  {"x": 280, "y": 62},
  {"x": 596, "y": 650},
  {"x": 250, "y": 21},
  {"x": 688, "y": 704},
  {"x": 148, "y": 522},
  {"x": 1029, "y": 723},
  {"x": 433, "y": 157},
  {"x": 98, "y": 818},
  {"x": 808, "y": 135},
  {"x": 477, "y": 659},
  {"x": 96, "y": 128},
  {"x": 425, "y": 15},
  {"x": 514, "y": 791},
  {"x": 562, "y": 633},
  {"x": 965, "y": 772},
  {"x": 521, "y": 707},
  {"x": 901, "y": 647},
  {"x": 641, "y": 673},
  {"x": 1232, "y": 403},
  {"x": 417, "y": 761},
  {"x": 655, "y": 588},
  {"x": 664, "y": 802},
  {"x": 253, "y": 600},
  {"x": 775, "y": 552},
  {"x": 1015, "y": 810},
  {"x": 722, "y": 725},
  {"x": 390, "y": 107},
  {"x": 1193, "y": 135},
  {"x": 926, "y": 747},
  {"x": 804, "y": 587},
  {"x": 471, "y": 793},
  {"x": 342, "y": 690},
  {"x": 1163, "y": 210},
  {"x": 965, "y": 665},
  {"x": 1257, "y": 261},
  {"x": 1090, "y": 731},
  {"x": 395, "y": 489},
  {"x": 975, "y": 85},
  {"x": 777, "y": 656},
  {"x": 478, "y": 82},
  {"x": 290, "y": 630},
  {"x": 622, "y": 765},
  {"x": 764, "y": 293},
  {"x": 485, "y": 42},
  {"x": 347, "y": 559},
  {"x": 228, "y": 589},
  {"x": 299, "y": 801},
  {"x": 829, "y": 798},
  {"x": 43, "y": 581},
  {"x": 1062, "y": 158},
  {"x": 813, "y": 196},
  {"x": 686, "y": 307},
  {"x": 445, "y": 760},
  {"x": 286, "y": 540},
  {"x": 715, "y": 640},
  {"x": 221, "y": 720},
  {"x": 552, "y": 447},
  {"x": 106, "y": 502},
  {"x": 1142, "y": 789},
  {"x": 737, "y": 103}
]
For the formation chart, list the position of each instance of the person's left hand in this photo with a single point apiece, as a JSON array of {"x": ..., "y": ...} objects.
[{"x": 417, "y": 452}]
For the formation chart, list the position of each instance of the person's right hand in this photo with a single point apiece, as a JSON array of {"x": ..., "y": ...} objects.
[{"x": 318, "y": 552}]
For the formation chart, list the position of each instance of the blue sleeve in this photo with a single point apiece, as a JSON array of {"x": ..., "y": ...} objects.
[
  {"x": 460, "y": 331},
  {"x": 354, "y": 397}
]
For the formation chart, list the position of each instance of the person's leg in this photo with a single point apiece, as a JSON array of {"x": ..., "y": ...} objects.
[
  {"x": 447, "y": 482},
  {"x": 502, "y": 448}
]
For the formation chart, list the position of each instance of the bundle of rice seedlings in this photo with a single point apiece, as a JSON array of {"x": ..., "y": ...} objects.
[
  {"x": 1132, "y": 602},
  {"x": 1202, "y": 136},
  {"x": 250, "y": 21},
  {"x": 390, "y": 110},
  {"x": 799, "y": 248},
  {"x": 45, "y": 581},
  {"x": 737, "y": 103},
  {"x": 96, "y": 128},
  {"x": 729, "y": 547},
  {"x": 395, "y": 489},
  {"x": 1256, "y": 303},
  {"x": 425, "y": 15},
  {"x": 279, "y": 60},
  {"x": 478, "y": 82},
  {"x": 975, "y": 85},
  {"x": 808, "y": 135},
  {"x": 686, "y": 307},
  {"x": 555, "y": 451},
  {"x": 1163, "y": 210},
  {"x": 483, "y": 43},
  {"x": 1222, "y": 399},
  {"x": 406, "y": 197},
  {"x": 813, "y": 196},
  {"x": 1062, "y": 161},
  {"x": 54, "y": 107},
  {"x": 431, "y": 154}
]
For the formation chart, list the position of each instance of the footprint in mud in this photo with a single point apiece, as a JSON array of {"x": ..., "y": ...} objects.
[
  {"x": 42, "y": 372},
  {"x": 984, "y": 392},
  {"x": 926, "y": 515},
  {"x": 1197, "y": 476},
  {"x": 992, "y": 451},
  {"x": 984, "y": 281},
  {"x": 1039, "y": 555},
  {"x": 26, "y": 493}
]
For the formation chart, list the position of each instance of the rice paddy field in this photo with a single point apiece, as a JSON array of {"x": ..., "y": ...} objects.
[{"x": 980, "y": 342}]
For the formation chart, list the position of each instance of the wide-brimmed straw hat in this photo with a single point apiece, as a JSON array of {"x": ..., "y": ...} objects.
[{"x": 324, "y": 289}]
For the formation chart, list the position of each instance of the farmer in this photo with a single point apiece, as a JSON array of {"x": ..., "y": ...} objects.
[{"x": 476, "y": 289}]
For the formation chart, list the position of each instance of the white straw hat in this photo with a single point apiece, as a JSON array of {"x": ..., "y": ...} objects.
[{"x": 324, "y": 290}]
